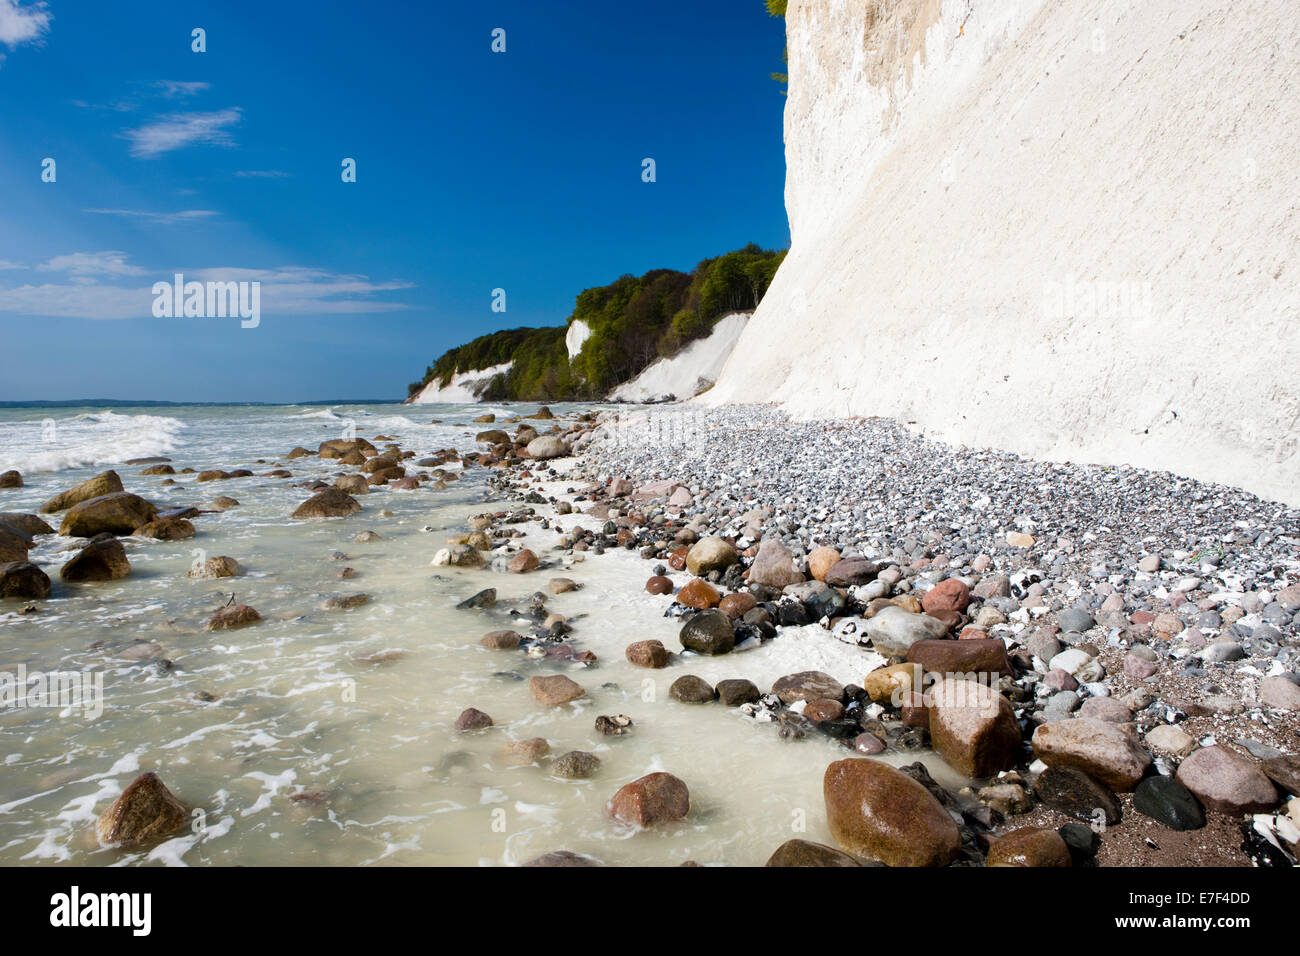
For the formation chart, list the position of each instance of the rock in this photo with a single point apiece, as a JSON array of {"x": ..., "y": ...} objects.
[
  {"x": 736, "y": 691},
  {"x": 820, "y": 561},
  {"x": 344, "y": 602},
  {"x": 485, "y": 598},
  {"x": 1150, "y": 564},
  {"x": 575, "y": 765},
  {"x": 555, "y": 690},
  {"x": 14, "y": 544},
  {"x": 659, "y": 585},
  {"x": 1138, "y": 667},
  {"x": 851, "y": 572},
  {"x": 223, "y": 503},
  {"x": 27, "y": 524},
  {"x": 1167, "y": 801},
  {"x": 881, "y": 813},
  {"x": 698, "y": 593},
  {"x": 11, "y": 479},
  {"x": 1108, "y": 752},
  {"x": 330, "y": 503},
  {"x": 893, "y": 630},
  {"x": 522, "y": 752},
  {"x": 166, "y": 529},
  {"x": 1008, "y": 799},
  {"x": 1074, "y": 792},
  {"x": 647, "y": 654},
  {"x": 547, "y": 446},
  {"x": 493, "y": 436},
  {"x": 653, "y": 799},
  {"x": 353, "y": 485},
  {"x": 473, "y": 719},
  {"x": 145, "y": 812},
  {"x": 561, "y": 585},
  {"x": 710, "y": 554},
  {"x": 868, "y": 744},
  {"x": 231, "y": 617},
  {"x": 22, "y": 579},
  {"x": 1279, "y": 693},
  {"x": 806, "y": 853},
  {"x": 1029, "y": 846},
  {"x": 1166, "y": 738},
  {"x": 106, "y": 483},
  {"x": 823, "y": 710},
  {"x": 690, "y": 689},
  {"x": 1018, "y": 539},
  {"x": 98, "y": 561},
  {"x": 1074, "y": 619},
  {"x": 487, "y": 419},
  {"x": 889, "y": 685},
  {"x": 949, "y": 595},
  {"x": 1106, "y": 708},
  {"x": 773, "y": 566},
  {"x": 987, "y": 655},
  {"x": 501, "y": 640},
  {"x": 523, "y": 562},
  {"x": 807, "y": 685},
  {"x": 563, "y": 858},
  {"x": 737, "y": 605},
  {"x": 709, "y": 632},
  {"x": 973, "y": 727},
  {"x": 117, "y": 513},
  {"x": 1284, "y": 771},
  {"x": 218, "y": 567},
  {"x": 1223, "y": 781}
]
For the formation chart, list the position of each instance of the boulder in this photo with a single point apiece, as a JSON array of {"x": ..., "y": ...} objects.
[
  {"x": 523, "y": 562},
  {"x": 698, "y": 593},
  {"x": 659, "y": 585},
  {"x": 820, "y": 561},
  {"x": 555, "y": 690},
  {"x": 883, "y": 814},
  {"x": 218, "y": 567},
  {"x": 851, "y": 572},
  {"x": 653, "y": 799},
  {"x": 102, "y": 484},
  {"x": 806, "y": 853},
  {"x": 890, "y": 685},
  {"x": 1029, "y": 846},
  {"x": 647, "y": 654},
  {"x": 501, "y": 640},
  {"x": 737, "y": 605},
  {"x": 690, "y": 689},
  {"x": 976, "y": 655},
  {"x": 14, "y": 544},
  {"x": 353, "y": 485},
  {"x": 547, "y": 446},
  {"x": 949, "y": 595},
  {"x": 893, "y": 630},
  {"x": 117, "y": 513},
  {"x": 98, "y": 561},
  {"x": 1167, "y": 801},
  {"x": 231, "y": 617},
  {"x": 22, "y": 579},
  {"x": 773, "y": 566},
  {"x": 1074, "y": 792},
  {"x": 807, "y": 685},
  {"x": 330, "y": 503},
  {"x": 736, "y": 691},
  {"x": 145, "y": 812},
  {"x": 1108, "y": 752},
  {"x": 30, "y": 525},
  {"x": 709, "y": 632},
  {"x": 1226, "y": 782},
  {"x": 575, "y": 765},
  {"x": 973, "y": 727},
  {"x": 1279, "y": 693},
  {"x": 11, "y": 479},
  {"x": 471, "y": 718},
  {"x": 710, "y": 554},
  {"x": 166, "y": 529}
]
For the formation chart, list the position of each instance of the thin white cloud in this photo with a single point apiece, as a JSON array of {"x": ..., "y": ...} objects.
[
  {"x": 183, "y": 129},
  {"x": 6, "y": 265},
  {"x": 262, "y": 174},
  {"x": 180, "y": 89},
  {"x": 288, "y": 291},
  {"x": 21, "y": 23},
  {"x": 92, "y": 264},
  {"x": 159, "y": 218}
]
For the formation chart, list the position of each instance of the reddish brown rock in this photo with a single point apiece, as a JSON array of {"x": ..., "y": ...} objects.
[
  {"x": 738, "y": 605},
  {"x": 652, "y": 799},
  {"x": 471, "y": 718},
  {"x": 647, "y": 654},
  {"x": 807, "y": 853},
  {"x": 881, "y": 813},
  {"x": 699, "y": 594},
  {"x": 823, "y": 709},
  {"x": 659, "y": 585},
  {"x": 949, "y": 595},
  {"x": 231, "y": 617},
  {"x": 98, "y": 561},
  {"x": 943, "y": 656},
  {"x": 501, "y": 640},
  {"x": 820, "y": 561},
  {"x": 973, "y": 727}
]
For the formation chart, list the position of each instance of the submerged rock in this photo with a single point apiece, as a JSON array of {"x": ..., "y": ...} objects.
[
  {"x": 330, "y": 503},
  {"x": 806, "y": 853},
  {"x": 555, "y": 690},
  {"x": 22, "y": 579},
  {"x": 145, "y": 812},
  {"x": 653, "y": 799},
  {"x": 231, "y": 617}
]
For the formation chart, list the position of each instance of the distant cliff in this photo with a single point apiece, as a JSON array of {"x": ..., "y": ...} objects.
[{"x": 1067, "y": 228}]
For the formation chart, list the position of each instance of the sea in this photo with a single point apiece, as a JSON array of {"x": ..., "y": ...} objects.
[{"x": 325, "y": 737}]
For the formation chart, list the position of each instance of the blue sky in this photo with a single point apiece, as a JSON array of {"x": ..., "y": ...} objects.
[{"x": 475, "y": 170}]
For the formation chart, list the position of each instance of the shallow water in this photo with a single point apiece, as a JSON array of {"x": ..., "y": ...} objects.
[{"x": 296, "y": 711}]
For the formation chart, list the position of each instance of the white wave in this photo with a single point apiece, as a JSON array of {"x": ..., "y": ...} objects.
[{"x": 90, "y": 438}]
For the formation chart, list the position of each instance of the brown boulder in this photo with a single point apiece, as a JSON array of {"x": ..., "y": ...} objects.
[
  {"x": 659, "y": 585},
  {"x": 218, "y": 567},
  {"x": 555, "y": 690},
  {"x": 11, "y": 479},
  {"x": 807, "y": 685},
  {"x": 523, "y": 562},
  {"x": 473, "y": 719},
  {"x": 1029, "y": 846},
  {"x": 117, "y": 513},
  {"x": 102, "y": 484},
  {"x": 647, "y": 654},
  {"x": 330, "y": 503},
  {"x": 232, "y": 616},
  {"x": 881, "y": 813},
  {"x": 501, "y": 640},
  {"x": 27, "y": 524},
  {"x": 949, "y": 595},
  {"x": 166, "y": 529},
  {"x": 737, "y": 605},
  {"x": 807, "y": 853},
  {"x": 98, "y": 561},
  {"x": 973, "y": 727},
  {"x": 654, "y": 798},
  {"x": 698, "y": 593},
  {"x": 972, "y": 656},
  {"x": 22, "y": 579},
  {"x": 146, "y": 811},
  {"x": 820, "y": 561}
]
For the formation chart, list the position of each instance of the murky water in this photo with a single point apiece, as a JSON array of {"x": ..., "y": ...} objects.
[{"x": 297, "y": 707}]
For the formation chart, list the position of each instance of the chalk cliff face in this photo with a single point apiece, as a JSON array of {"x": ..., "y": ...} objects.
[{"x": 1067, "y": 228}]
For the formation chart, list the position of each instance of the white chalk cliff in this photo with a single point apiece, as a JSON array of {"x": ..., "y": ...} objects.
[
  {"x": 690, "y": 371},
  {"x": 1067, "y": 228}
]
